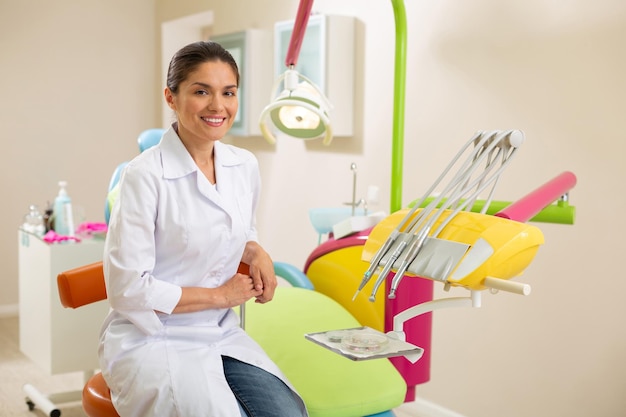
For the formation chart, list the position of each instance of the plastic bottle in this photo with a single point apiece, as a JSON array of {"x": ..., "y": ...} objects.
[
  {"x": 33, "y": 221},
  {"x": 62, "y": 212},
  {"x": 47, "y": 217}
]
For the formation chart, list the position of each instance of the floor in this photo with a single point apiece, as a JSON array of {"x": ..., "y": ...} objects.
[{"x": 17, "y": 370}]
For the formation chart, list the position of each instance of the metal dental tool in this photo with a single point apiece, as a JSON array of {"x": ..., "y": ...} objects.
[
  {"x": 382, "y": 251},
  {"x": 387, "y": 268},
  {"x": 413, "y": 224},
  {"x": 407, "y": 241},
  {"x": 376, "y": 260},
  {"x": 500, "y": 142}
]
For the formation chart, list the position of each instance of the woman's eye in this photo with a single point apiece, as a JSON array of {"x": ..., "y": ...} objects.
[
  {"x": 201, "y": 92},
  {"x": 230, "y": 94}
]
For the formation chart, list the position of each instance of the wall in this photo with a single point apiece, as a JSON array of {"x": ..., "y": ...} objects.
[
  {"x": 554, "y": 71},
  {"x": 78, "y": 85}
]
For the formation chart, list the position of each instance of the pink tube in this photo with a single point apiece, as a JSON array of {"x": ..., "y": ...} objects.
[
  {"x": 299, "y": 28},
  {"x": 531, "y": 204}
]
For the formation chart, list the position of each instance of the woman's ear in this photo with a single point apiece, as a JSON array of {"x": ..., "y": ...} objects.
[{"x": 169, "y": 98}]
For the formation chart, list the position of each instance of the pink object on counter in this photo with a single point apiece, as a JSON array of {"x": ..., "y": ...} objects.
[
  {"x": 86, "y": 230},
  {"x": 54, "y": 237},
  {"x": 528, "y": 206},
  {"x": 91, "y": 228}
]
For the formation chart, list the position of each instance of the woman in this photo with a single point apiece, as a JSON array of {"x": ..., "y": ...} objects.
[{"x": 183, "y": 221}]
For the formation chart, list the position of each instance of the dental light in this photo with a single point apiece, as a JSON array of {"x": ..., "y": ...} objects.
[{"x": 300, "y": 110}]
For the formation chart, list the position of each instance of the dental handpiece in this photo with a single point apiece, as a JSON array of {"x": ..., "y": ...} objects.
[
  {"x": 383, "y": 274},
  {"x": 382, "y": 251},
  {"x": 414, "y": 250}
]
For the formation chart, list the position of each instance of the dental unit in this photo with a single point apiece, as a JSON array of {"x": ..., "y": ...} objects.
[
  {"x": 455, "y": 238},
  {"x": 414, "y": 232}
]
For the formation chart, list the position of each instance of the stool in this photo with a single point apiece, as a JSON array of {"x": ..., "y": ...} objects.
[{"x": 97, "y": 398}]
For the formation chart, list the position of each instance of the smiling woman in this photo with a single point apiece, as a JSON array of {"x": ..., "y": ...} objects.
[
  {"x": 205, "y": 101},
  {"x": 183, "y": 221}
]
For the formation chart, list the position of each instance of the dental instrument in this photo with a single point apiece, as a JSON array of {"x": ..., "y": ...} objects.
[
  {"x": 374, "y": 265},
  {"x": 414, "y": 232},
  {"x": 499, "y": 247},
  {"x": 502, "y": 142}
]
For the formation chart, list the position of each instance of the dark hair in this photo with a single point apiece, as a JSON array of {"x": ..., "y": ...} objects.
[{"x": 187, "y": 59}]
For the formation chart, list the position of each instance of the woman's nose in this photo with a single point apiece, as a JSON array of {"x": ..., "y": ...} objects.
[{"x": 215, "y": 103}]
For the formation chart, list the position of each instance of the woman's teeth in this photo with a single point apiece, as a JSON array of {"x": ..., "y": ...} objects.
[{"x": 213, "y": 120}]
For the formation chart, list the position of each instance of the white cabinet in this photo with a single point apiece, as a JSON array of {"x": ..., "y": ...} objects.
[{"x": 58, "y": 339}]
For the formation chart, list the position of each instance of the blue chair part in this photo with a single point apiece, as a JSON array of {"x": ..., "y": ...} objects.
[
  {"x": 292, "y": 275},
  {"x": 383, "y": 414},
  {"x": 148, "y": 138},
  {"x": 115, "y": 179}
]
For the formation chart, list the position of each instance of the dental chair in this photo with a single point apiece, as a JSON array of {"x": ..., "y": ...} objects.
[{"x": 330, "y": 385}]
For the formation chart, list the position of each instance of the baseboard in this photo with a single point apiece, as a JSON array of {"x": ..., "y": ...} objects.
[
  {"x": 9, "y": 310},
  {"x": 428, "y": 408}
]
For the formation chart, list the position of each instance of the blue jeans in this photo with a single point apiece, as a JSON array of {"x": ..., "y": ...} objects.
[{"x": 259, "y": 393}]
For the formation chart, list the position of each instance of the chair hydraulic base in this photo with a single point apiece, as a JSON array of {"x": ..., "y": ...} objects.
[{"x": 48, "y": 404}]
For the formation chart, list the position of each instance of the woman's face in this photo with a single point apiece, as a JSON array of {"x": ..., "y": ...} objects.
[{"x": 206, "y": 103}]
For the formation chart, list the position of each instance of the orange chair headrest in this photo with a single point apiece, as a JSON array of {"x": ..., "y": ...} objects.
[{"x": 81, "y": 286}]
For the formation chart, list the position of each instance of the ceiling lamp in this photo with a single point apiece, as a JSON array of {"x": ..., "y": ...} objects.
[{"x": 300, "y": 110}]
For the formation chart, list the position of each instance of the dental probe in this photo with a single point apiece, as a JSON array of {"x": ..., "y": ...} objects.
[
  {"x": 462, "y": 174},
  {"x": 417, "y": 245},
  {"x": 414, "y": 249},
  {"x": 382, "y": 251},
  {"x": 394, "y": 256},
  {"x": 376, "y": 260},
  {"x": 422, "y": 224}
]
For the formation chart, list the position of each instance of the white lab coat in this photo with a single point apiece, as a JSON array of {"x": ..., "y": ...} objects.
[{"x": 170, "y": 228}]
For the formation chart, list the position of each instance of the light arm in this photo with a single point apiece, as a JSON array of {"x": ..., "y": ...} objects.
[{"x": 299, "y": 29}]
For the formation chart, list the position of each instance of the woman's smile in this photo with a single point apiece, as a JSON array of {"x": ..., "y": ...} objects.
[{"x": 214, "y": 121}]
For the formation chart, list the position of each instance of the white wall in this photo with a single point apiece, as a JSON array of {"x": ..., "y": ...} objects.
[
  {"x": 550, "y": 69},
  {"x": 78, "y": 85}
]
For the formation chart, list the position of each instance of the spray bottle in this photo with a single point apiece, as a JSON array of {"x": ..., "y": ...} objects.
[{"x": 63, "y": 216}]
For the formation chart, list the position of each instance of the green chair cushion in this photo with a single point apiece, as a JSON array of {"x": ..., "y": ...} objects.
[{"x": 330, "y": 384}]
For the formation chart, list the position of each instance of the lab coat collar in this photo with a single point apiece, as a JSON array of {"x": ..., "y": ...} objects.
[{"x": 177, "y": 162}]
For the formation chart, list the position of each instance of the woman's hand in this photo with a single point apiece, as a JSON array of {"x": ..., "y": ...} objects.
[
  {"x": 237, "y": 290},
  {"x": 261, "y": 284},
  {"x": 261, "y": 271}
]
